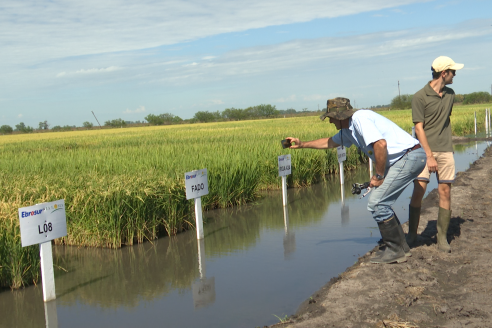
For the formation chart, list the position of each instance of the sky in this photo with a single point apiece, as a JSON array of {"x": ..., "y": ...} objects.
[{"x": 60, "y": 60}]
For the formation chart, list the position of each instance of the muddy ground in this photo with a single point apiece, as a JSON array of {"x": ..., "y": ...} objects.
[{"x": 432, "y": 289}]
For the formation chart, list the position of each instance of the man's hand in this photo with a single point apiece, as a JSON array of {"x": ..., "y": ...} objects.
[
  {"x": 295, "y": 142},
  {"x": 431, "y": 164},
  {"x": 375, "y": 182}
]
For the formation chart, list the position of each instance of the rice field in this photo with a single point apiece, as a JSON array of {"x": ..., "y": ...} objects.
[{"x": 125, "y": 186}]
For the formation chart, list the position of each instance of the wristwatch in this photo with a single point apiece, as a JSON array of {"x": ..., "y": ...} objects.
[{"x": 379, "y": 177}]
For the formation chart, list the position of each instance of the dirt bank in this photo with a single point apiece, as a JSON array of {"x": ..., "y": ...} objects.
[{"x": 432, "y": 289}]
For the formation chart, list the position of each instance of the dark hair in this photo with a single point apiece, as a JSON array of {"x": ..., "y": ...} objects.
[{"x": 435, "y": 75}]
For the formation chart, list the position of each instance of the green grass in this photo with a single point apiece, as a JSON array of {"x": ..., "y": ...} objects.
[{"x": 124, "y": 186}]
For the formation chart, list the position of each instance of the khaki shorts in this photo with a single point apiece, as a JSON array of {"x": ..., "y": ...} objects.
[{"x": 445, "y": 168}]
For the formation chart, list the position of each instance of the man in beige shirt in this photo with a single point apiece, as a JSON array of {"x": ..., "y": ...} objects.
[{"x": 431, "y": 111}]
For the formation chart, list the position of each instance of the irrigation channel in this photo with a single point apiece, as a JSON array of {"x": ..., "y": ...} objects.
[{"x": 256, "y": 264}]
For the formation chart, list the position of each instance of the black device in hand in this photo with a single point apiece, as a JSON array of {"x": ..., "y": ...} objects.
[
  {"x": 357, "y": 187},
  {"x": 285, "y": 143}
]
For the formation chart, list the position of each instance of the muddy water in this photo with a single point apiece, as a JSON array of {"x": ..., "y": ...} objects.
[{"x": 256, "y": 263}]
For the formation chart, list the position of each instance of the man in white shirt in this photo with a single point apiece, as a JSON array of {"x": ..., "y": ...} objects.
[{"x": 398, "y": 161}]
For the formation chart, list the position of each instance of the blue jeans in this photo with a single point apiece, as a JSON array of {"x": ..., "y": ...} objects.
[{"x": 398, "y": 177}]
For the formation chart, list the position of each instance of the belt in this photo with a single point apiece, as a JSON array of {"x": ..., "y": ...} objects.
[{"x": 417, "y": 146}]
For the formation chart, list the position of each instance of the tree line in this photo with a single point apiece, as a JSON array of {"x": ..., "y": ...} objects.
[
  {"x": 262, "y": 111},
  {"x": 405, "y": 101}
]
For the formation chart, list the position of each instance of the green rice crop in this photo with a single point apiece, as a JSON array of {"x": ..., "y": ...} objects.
[{"x": 124, "y": 186}]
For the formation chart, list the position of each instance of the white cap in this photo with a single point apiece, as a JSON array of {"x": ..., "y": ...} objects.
[{"x": 443, "y": 63}]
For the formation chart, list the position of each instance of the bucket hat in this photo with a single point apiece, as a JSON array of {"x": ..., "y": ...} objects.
[{"x": 338, "y": 108}]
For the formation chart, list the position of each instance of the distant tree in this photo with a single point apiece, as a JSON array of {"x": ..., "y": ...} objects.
[
  {"x": 21, "y": 127},
  {"x": 401, "y": 102},
  {"x": 161, "y": 119},
  {"x": 6, "y": 129},
  {"x": 233, "y": 114},
  {"x": 288, "y": 111},
  {"x": 207, "y": 116},
  {"x": 44, "y": 125},
  {"x": 266, "y": 110},
  {"x": 477, "y": 98},
  {"x": 115, "y": 123},
  {"x": 87, "y": 125},
  {"x": 56, "y": 128},
  {"x": 458, "y": 98}
]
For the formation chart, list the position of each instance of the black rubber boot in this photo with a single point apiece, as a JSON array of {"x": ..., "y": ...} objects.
[
  {"x": 394, "y": 243},
  {"x": 413, "y": 224},
  {"x": 442, "y": 230},
  {"x": 405, "y": 246}
]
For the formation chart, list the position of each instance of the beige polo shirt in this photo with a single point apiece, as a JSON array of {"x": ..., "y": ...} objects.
[{"x": 434, "y": 111}]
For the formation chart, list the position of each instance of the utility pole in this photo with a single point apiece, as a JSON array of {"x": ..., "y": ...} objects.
[
  {"x": 97, "y": 120},
  {"x": 399, "y": 96}
]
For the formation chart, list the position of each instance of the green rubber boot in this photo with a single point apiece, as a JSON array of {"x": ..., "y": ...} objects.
[
  {"x": 413, "y": 224},
  {"x": 394, "y": 243},
  {"x": 404, "y": 243},
  {"x": 442, "y": 230}
]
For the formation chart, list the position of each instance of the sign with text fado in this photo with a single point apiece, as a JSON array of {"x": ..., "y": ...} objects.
[{"x": 196, "y": 184}]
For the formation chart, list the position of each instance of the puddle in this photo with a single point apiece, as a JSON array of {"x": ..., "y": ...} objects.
[{"x": 256, "y": 262}]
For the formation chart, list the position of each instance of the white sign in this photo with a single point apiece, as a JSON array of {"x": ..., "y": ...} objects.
[
  {"x": 342, "y": 154},
  {"x": 196, "y": 183},
  {"x": 42, "y": 222},
  {"x": 284, "y": 165}
]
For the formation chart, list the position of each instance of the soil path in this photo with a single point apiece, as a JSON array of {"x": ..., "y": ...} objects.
[{"x": 432, "y": 289}]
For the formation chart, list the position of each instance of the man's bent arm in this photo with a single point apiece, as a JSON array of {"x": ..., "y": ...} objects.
[
  {"x": 324, "y": 143},
  {"x": 381, "y": 155}
]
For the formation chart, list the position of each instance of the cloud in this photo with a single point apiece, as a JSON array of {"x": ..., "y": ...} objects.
[
  {"x": 314, "y": 97},
  {"x": 140, "y": 109},
  {"x": 90, "y": 71},
  {"x": 20, "y": 115},
  {"x": 64, "y": 29},
  {"x": 287, "y": 99},
  {"x": 326, "y": 53}
]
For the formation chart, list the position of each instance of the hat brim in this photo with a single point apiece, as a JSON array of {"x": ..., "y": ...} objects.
[
  {"x": 457, "y": 66},
  {"x": 338, "y": 115}
]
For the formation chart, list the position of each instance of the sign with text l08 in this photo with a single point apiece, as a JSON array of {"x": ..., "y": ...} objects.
[
  {"x": 284, "y": 165},
  {"x": 42, "y": 222},
  {"x": 342, "y": 153},
  {"x": 196, "y": 183}
]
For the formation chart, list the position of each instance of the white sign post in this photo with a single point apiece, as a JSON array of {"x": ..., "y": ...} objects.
[
  {"x": 370, "y": 168},
  {"x": 342, "y": 156},
  {"x": 284, "y": 169},
  {"x": 196, "y": 183},
  {"x": 475, "y": 124},
  {"x": 40, "y": 224},
  {"x": 486, "y": 122}
]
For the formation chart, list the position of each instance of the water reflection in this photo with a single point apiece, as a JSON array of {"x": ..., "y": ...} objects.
[
  {"x": 344, "y": 208},
  {"x": 289, "y": 237},
  {"x": 204, "y": 288},
  {"x": 50, "y": 314}
]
